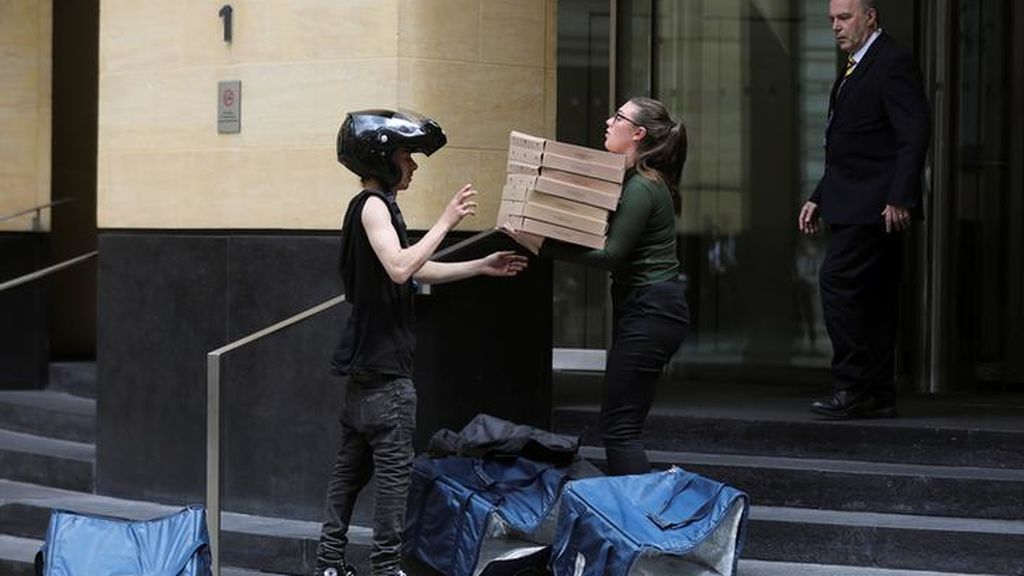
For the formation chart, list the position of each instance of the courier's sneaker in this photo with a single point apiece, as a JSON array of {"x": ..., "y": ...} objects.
[{"x": 334, "y": 570}]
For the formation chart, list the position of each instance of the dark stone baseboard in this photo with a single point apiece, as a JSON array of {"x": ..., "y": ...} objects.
[{"x": 166, "y": 299}]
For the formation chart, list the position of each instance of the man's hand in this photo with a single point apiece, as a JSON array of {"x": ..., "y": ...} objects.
[
  {"x": 808, "y": 220},
  {"x": 897, "y": 218},
  {"x": 506, "y": 263},
  {"x": 460, "y": 206},
  {"x": 531, "y": 242}
]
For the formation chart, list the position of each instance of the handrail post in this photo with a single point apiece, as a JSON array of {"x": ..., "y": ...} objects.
[
  {"x": 38, "y": 210},
  {"x": 213, "y": 458}
]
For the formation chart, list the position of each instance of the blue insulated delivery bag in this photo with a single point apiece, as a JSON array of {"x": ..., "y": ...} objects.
[
  {"x": 470, "y": 516},
  {"x": 664, "y": 523},
  {"x": 83, "y": 545}
]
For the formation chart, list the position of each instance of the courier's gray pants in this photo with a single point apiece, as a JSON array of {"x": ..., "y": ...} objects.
[{"x": 377, "y": 425}]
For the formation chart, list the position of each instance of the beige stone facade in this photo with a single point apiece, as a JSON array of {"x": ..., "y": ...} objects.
[
  {"x": 26, "y": 64},
  {"x": 479, "y": 67}
]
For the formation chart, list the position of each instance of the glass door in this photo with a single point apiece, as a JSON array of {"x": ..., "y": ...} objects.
[
  {"x": 750, "y": 79},
  {"x": 986, "y": 210}
]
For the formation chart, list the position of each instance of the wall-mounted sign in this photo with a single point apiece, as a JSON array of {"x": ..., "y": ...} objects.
[{"x": 229, "y": 107}]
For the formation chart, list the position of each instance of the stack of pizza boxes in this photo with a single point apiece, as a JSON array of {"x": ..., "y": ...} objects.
[{"x": 559, "y": 190}]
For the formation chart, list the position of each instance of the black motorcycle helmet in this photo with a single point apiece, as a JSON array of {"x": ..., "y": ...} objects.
[{"x": 368, "y": 139}]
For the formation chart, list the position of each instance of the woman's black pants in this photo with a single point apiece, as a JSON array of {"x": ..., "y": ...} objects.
[{"x": 649, "y": 324}]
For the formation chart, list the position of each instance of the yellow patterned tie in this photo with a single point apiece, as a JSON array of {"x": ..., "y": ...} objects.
[{"x": 850, "y": 63}]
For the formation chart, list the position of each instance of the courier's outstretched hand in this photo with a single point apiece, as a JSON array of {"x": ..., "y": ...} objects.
[
  {"x": 461, "y": 205},
  {"x": 506, "y": 263}
]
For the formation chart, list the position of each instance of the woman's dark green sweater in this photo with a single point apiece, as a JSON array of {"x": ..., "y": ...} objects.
[{"x": 641, "y": 245}]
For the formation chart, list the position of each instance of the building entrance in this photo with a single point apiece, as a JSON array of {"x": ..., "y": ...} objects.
[{"x": 751, "y": 80}]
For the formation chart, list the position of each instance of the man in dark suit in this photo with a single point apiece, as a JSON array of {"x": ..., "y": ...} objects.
[{"x": 876, "y": 138}]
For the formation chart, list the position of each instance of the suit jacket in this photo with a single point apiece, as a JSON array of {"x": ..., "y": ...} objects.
[{"x": 876, "y": 138}]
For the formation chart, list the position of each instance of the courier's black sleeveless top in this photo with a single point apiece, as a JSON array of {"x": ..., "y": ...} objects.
[{"x": 379, "y": 337}]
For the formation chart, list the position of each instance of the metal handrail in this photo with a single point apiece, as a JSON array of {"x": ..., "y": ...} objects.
[
  {"x": 37, "y": 210},
  {"x": 213, "y": 364},
  {"x": 213, "y": 420},
  {"x": 46, "y": 271}
]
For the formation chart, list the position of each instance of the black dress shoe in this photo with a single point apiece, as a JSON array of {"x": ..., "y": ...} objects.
[{"x": 844, "y": 404}]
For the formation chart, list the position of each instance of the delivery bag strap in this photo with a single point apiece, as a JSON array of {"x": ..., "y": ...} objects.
[{"x": 688, "y": 511}]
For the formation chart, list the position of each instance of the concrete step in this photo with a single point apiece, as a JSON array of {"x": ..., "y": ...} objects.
[
  {"x": 993, "y": 493},
  {"x": 892, "y": 541},
  {"x": 849, "y": 513},
  {"x": 47, "y": 461},
  {"x": 904, "y": 440},
  {"x": 49, "y": 413},
  {"x": 75, "y": 378},
  {"x": 762, "y": 568},
  {"x": 17, "y": 554},
  {"x": 766, "y": 568}
]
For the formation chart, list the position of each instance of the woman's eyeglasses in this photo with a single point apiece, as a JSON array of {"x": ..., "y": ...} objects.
[{"x": 621, "y": 116}]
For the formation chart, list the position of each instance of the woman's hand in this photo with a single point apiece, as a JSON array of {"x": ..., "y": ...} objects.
[{"x": 531, "y": 242}]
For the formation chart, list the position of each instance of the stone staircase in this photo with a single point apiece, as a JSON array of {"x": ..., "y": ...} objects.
[
  {"x": 941, "y": 488},
  {"x": 909, "y": 497},
  {"x": 47, "y": 458}
]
